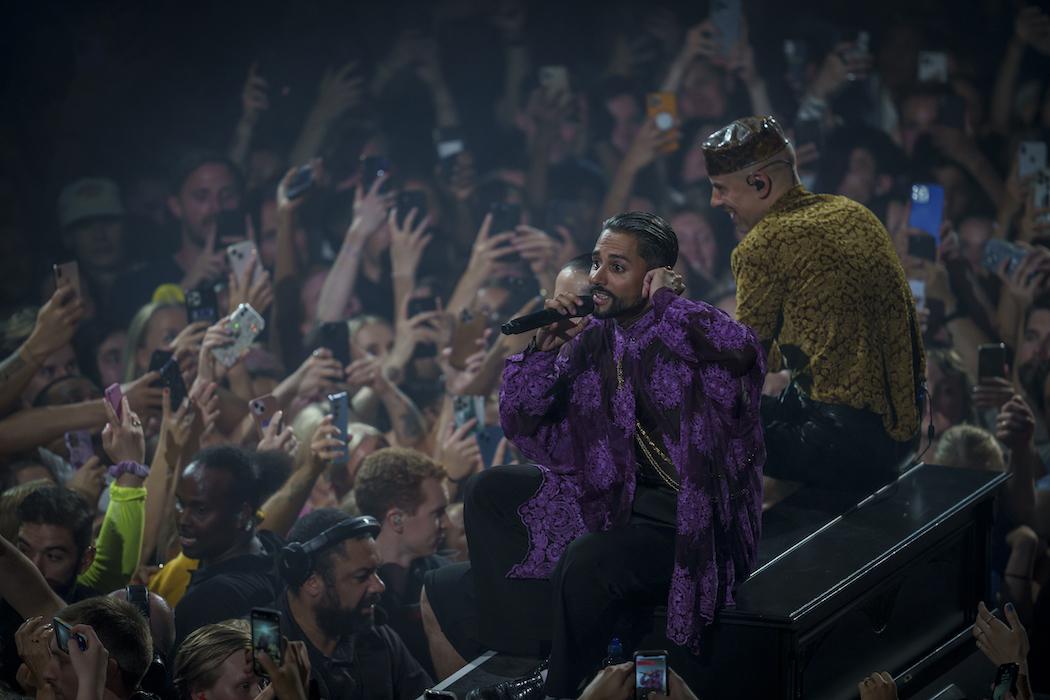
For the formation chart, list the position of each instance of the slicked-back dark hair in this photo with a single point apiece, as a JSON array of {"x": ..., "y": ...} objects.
[
  {"x": 657, "y": 242},
  {"x": 57, "y": 505}
]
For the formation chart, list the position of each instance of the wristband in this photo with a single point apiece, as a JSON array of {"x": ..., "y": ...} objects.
[{"x": 128, "y": 467}]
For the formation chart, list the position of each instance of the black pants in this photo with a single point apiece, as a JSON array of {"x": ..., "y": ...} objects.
[
  {"x": 514, "y": 615},
  {"x": 829, "y": 446},
  {"x": 602, "y": 581}
]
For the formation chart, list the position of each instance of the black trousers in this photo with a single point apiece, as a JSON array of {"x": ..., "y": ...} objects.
[
  {"x": 602, "y": 582},
  {"x": 829, "y": 446}
]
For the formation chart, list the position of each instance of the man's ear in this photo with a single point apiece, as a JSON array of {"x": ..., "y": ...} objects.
[
  {"x": 87, "y": 559},
  {"x": 395, "y": 517},
  {"x": 313, "y": 586},
  {"x": 175, "y": 207}
]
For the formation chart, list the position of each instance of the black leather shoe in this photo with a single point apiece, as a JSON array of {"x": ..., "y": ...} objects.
[{"x": 527, "y": 688}]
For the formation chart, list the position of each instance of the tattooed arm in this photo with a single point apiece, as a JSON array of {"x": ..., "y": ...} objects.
[{"x": 406, "y": 419}]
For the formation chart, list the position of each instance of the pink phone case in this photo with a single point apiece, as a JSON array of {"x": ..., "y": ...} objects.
[{"x": 114, "y": 396}]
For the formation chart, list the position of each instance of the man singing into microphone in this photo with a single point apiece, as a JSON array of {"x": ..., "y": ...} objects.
[{"x": 647, "y": 413}]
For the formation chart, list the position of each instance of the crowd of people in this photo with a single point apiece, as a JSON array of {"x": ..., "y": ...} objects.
[{"x": 262, "y": 371}]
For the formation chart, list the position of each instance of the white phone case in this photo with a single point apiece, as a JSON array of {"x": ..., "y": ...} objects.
[{"x": 245, "y": 325}]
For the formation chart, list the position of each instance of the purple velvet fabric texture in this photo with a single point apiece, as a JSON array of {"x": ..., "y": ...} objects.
[{"x": 694, "y": 377}]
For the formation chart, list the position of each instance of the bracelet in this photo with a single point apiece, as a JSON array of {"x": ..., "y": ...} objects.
[{"x": 128, "y": 467}]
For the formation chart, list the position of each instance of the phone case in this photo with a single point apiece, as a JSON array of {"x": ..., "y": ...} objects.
[
  {"x": 725, "y": 15},
  {"x": 662, "y": 108},
  {"x": 202, "y": 305},
  {"x": 341, "y": 420},
  {"x": 650, "y": 669},
  {"x": 171, "y": 377},
  {"x": 1031, "y": 157},
  {"x": 262, "y": 410},
  {"x": 927, "y": 208},
  {"x": 239, "y": 255},
  {"x": 554, "y": 79},
  {"x": 80, "y": 447},
  {"x": 464, "y": 408},
  {"x": 991, "y": 360},
  {"x": 114, "y": 396},
  {"x": 335, "y": 336},
  {"x": 407, "y": 200},
  {"x": 245, "y": 325},
  {"x": 997, "y": 250},
  {"x": 465, "y": 337},
  {"x": 301, "y": 181},
  {"x": 68, "y": 273},
  {"x": 266, "y": 636}
]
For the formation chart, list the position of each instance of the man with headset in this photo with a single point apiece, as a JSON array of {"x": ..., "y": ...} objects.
[
  {"x": 819, "y": 282},
  {"x": 331, "y": 567}
]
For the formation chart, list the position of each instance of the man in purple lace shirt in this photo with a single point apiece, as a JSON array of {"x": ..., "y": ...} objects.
[{"x": 646, "y": 419}]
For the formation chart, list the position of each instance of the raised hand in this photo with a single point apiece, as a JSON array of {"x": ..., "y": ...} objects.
[
  {"x": 407, "y": 242},
  {"x": 252, "y": 287},
  {"x": 33, "y": 642},
  {"x": 370, "y": 211},
  {"x": 660, "y": 277},
  {"x": 275, "y": 438},
  {"x": 325, "y": 445},
  {"x": 89, "y": 480},
  {"x": 145, "y": 398},
  {"x": 489, "y": 247},
  {"x": 208, "y": 266},
  {"x": 340, "y": 91},
  {"x": 209, "y": 369},
  {"x": 90, "y": 663},
  {"x": 254, "y": 96},
  {"x": 1015, "y": 424},
  {"x": 1002, "y": 642},
  {"x": 649, "y": 142},
  {"x": 460, "y": 454},
  {"x": 56, "y": 322},
  {"x": 123, "y": 438},
  {"x": 321, "y": 374}
]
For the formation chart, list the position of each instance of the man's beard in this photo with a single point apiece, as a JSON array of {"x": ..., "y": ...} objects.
[
  {"x": 336, "y": 622},
  {"x": 616, "y": 307}
]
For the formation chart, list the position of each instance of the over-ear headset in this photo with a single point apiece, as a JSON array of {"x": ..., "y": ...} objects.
[
  {"x": 138, "y": 595},
  {"x": 295, "y": 560}
]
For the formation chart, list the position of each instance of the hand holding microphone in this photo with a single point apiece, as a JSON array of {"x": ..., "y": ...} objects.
[{"x": 569, "y": 312}]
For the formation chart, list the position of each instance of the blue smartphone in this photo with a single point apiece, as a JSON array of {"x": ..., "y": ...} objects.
[
  {"x": 341, "y": 420},
  {"x": 927, "y": 209}
]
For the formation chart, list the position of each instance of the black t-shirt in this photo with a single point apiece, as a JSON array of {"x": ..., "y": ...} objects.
[
  {"x": 10, "y": 621},
  {"x": 372, "y": 664},
  {"x": 229, "y": 589},
  {"x": 134, "y": 288},
  {"x": 402, "y": 610}
]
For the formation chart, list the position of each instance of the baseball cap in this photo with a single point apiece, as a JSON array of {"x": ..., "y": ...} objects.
[{"x": 89, "y": 198}]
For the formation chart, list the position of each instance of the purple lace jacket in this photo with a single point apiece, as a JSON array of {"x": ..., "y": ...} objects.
[{"x": 696, "y": 375}]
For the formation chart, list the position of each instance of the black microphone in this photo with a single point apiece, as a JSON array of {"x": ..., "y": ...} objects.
[{"x": 539, "y": 319}]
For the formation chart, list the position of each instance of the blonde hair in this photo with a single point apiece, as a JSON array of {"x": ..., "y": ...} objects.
[
  {"x": 137, "y": 334},
  {"x": 969, "y": 446},
  {"x": 201, "y": 655}
]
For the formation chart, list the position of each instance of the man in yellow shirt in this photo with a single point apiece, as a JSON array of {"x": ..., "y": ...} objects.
[{"x": 820, "y": 283}]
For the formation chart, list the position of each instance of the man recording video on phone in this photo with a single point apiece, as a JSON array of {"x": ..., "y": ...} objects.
[
  {"x": 819, "y": 282},
  {"x": 650, "y": 409}
]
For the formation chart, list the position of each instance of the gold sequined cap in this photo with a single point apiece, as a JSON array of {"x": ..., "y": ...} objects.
[{"x": 742, "y": 144}]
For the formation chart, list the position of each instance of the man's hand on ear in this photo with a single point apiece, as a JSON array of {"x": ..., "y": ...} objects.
[{"x": 659, "y": 278}]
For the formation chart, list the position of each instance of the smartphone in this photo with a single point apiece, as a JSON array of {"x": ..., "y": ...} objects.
[
  {"x": 1005, "y": 681},
  {"x": 68, "y": 273},
  {"x": 725, "y": 15},
  {"x": 239, "y": 256},
  {"x": 922, "y": 246},
  {"x": 245, "y": 325},
  {"x": 80, "y": 447},
  {"x": 407, "y": 200},
  {"x": 373, "y": 168},
  {"x": 465, "y": 335},
  {"x": 335, "y": 336},
  {"x": 449, "y": 143},
  {"x": 489, "y": 439},
  {"x": 159, "y": 358},
  {"x": 991, "y": 361},
  {"x": 467, "y": 408},
  {"x": 266, "y": 636},
  {"x": 927, "y": 209},
  {"x": 997, "y": 250},
  {"x": 1031, "y": 158},
  {"x": 650, "y": 673},
  {"x": 662, "y": 108},
  {"x": 263, "y": 410},
  {"x": 230, "y": 225},
  {"x": 341, "y": 420},
  {"x": 933, "y": 67},
  {"x": 202, "y": 304},
  {"x": 1041, "y": 195},
  {"x": 301, "y": 181},
  {"x": 421, "y": 305},
  {"x": 64, "y": 633},
  {"x": 918, "y": 291},
  {"x": 114, "y": 396},
  {"x": 554, "y": 80},
  {"x": 171, "y": 378},
  {"x": 505, "y": 217},
  {"x": 563, "y": 212}
]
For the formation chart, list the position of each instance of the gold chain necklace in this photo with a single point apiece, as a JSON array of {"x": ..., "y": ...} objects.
[{"x": 653, "y": 454}]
